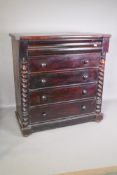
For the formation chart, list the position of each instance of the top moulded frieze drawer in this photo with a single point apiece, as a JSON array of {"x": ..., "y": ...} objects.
[
  {"x": 36, "y": 44},
  {"x": 74, "y": 47}
]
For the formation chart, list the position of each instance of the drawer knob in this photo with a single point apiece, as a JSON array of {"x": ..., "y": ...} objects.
[
  {"x": 86, "y": 61},
  {"x": 43, "y": 65},
  {"x": 84, "y": 92},
  {"x": 84, "y": 107},
  {"x": 44, "y": 114},
  {"x": 85, "y": 76},
  {"x": 44, "y": 97},
  {"x": 43, "y": 81}
]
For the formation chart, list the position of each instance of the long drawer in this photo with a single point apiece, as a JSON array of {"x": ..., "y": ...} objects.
[
  {"x": 52, "y": 95},
  {"x": 42, "y": 80},
  {"x": 61, "y": 110},
  {"x": 58, "y": 62}
]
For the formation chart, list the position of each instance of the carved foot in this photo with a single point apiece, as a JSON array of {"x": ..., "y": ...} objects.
[
  {"x": 99, "y": 117},
  {"x": 26, "y": 131}
]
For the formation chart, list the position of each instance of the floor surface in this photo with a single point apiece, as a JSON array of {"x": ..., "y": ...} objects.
[{"x": 68, "y": 149}]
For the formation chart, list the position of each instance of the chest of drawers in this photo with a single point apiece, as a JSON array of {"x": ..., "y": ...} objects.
[{"x": 58, "y": 79}]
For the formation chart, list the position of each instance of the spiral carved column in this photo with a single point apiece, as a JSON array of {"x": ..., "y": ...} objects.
[
  {"x": 24, "y": 92},
  {"x": 100, "y": 88}
]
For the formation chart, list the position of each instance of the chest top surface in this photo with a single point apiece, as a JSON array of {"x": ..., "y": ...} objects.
[{"x": 41, "y": 36}]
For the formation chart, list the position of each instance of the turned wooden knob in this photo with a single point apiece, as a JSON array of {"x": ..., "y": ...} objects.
[
  {"x": 84, "y": 91},
  {"x": 86, "y": 61},
  {"x": 44, "y": 97},
  {"x": 43, "y": 81},
  {"x": 85, "y": 76},
  {"x": 43, "y": 65},
  {"x": 84, "y": 107},
  {"x": 44, "y": 114}
]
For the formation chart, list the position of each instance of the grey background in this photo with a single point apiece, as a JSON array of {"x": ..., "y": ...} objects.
[
  {"x": 73, "y": 148},
  {"x": 52, "y": 16}
]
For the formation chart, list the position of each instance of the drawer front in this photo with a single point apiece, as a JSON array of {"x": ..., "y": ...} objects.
[
  {"x": 64, "y": 48},
  {"x": 62, "y": 78},
  {"x": 52, "y": 95},
  {"x": 58, "y": 62},
  {"x": 50, "y": 112}
]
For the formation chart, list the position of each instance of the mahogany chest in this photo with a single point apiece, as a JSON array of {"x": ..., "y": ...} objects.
[{"x": 58, "y": 79}]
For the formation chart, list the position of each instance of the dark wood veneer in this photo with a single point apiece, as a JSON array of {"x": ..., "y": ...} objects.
[{"x": 58, "y": 79}]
